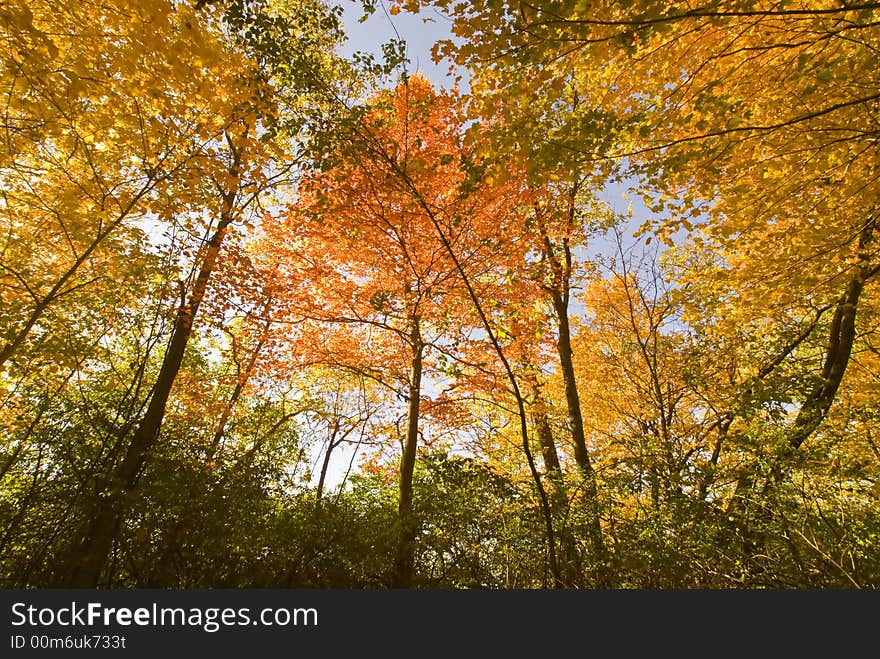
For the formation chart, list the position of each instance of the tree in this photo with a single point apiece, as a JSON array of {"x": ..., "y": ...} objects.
[
  {"x": 229, "y": 175},
  {"x": 750, "y": 121},
  {"x": 360, "y": 249},
  {"x": 274, "y": 319},
  {"x": 93, "y": 127}
]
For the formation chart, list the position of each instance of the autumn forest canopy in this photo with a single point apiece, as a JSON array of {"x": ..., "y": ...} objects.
[{"x": 271, "y": 316}]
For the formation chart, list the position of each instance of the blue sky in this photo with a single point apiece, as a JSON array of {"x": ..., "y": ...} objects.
[{"x": 420, "y": 31}]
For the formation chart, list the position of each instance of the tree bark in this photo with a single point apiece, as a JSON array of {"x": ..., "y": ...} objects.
[
  {"x": 403, "y": 565},
  {"x": 570, "y": 563},
  {"x": 547, "y": 514},
  {"x": 841, "y": 337},
  {"x": 560, "y": 293},
  {"x": 240, "y": 384},
  {"x": 552, "y": 467},
  {"x": 815, "y": 407},
  {"x": 86, "y": 564},
  {"x": 578, "y": 437}
]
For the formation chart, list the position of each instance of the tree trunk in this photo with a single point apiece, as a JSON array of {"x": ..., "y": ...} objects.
[
  {"x": 84, "y": 568},
  {"x": 841, "y": 337},
  {"x": 403, "y": 565},
  {"x": 559, "y": 258},
  {"x": 242, "y": 380},
  {"x": 548, "y": 450},
  {"x": 570, "y": 563},
  {"x": 578, "y": 437},
  {"x": 511, "y": 376},
  {"x": 332, "y": 443},
  {"x": 815, "y": 407}
]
